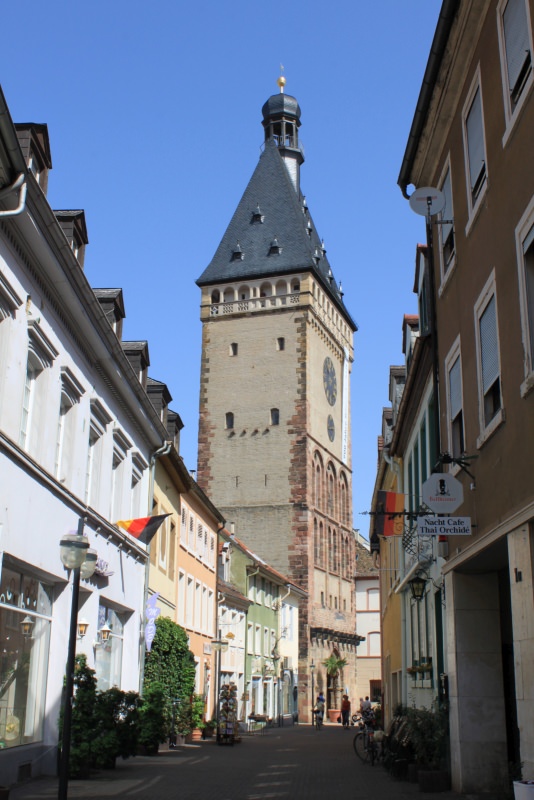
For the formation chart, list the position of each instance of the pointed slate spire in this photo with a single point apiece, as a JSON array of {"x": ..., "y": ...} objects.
[{"x": 270, "y": 213}]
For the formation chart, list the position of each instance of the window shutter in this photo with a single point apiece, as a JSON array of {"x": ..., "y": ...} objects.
[
  {"x": 455, "y": 389},
  {"x": 475, "y": 140},
  {"x": 516, "y": 38},
  {"x": 488, "y": 346},
  {"x": 529, "y": 240},
  {"x": 446, "y": 214}
]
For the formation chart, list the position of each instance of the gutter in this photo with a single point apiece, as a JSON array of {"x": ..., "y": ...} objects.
[{"x": 437, "y": 50}]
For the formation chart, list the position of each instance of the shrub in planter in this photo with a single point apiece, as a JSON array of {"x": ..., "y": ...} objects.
[
  {"x": 82, "y": 723},
  {"x": 428, "y": 733},
  {"x": 116, "y": 730},
  {"x": 153, "y": 719}
]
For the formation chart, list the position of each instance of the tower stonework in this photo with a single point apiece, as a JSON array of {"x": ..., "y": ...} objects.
[{"x": 274, "y": 447}]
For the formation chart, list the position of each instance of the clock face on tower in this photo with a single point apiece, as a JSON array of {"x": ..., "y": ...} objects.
[
  {"x": 329, "y": 380},
  {"x": 331, "y": 428}
]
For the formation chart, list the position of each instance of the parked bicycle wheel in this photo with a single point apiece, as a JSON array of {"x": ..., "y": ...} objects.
[{"x": 359, "y": 743}]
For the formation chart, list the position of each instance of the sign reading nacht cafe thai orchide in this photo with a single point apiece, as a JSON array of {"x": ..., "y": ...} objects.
[{"x": 444, "y": 526}]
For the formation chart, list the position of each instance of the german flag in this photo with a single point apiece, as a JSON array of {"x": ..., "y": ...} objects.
[
  {"x": 144, "y": 528},
  {"x": 389, "y": 514}
]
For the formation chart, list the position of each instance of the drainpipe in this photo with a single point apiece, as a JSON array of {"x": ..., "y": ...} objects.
[{"x": 21, "y": 185}]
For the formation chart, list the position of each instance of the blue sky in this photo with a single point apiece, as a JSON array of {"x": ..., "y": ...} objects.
[{"x": 154, "y": 117}]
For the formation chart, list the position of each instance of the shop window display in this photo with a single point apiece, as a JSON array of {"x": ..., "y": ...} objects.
[{"x": 25, "y": 615}]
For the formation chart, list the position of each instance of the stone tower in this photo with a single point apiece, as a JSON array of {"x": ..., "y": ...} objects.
[{"x": 274, "y": 448}]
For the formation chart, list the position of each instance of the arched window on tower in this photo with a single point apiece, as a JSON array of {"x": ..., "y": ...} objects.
[
  {"x": 275, "y": 416},
  {"x": 216, "y": 296},
  {"x": 316, "y": 542},
  {"x": 344, "y": 499},
  {"x": 322, "y": 544},
  {"x": 318, "y": 481},
  {"x": 335, "y": 555},
  {"x": 330, "y": 490},
  {"x": 229, "y": 420}
]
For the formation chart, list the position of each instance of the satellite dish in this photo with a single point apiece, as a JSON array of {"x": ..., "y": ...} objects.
[{"x": 427, "y": 201}]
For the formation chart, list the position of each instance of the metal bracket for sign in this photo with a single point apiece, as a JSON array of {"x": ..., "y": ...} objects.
[{"x": 462, "y": 462}]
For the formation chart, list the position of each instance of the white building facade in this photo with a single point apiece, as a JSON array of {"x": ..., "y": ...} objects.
[{"x": 77, "y": 438}]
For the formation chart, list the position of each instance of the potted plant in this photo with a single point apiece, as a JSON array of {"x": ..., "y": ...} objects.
[
  {"x": 153, "y": 719},
  {"x": 428, "y": 733},
  {"x": 209, "y": 728},
  {"x": 334, "y": 665},
  {"x": 198, "y": 707}
]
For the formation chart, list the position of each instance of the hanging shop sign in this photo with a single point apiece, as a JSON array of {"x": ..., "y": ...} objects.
[
  {"x": 444, "y": 526},
  {"x": 442, "y": 493}
]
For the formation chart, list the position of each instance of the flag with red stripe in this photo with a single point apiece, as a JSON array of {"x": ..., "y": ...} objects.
[
  {"x": 389, "y": 514},
  {"x": 145, "y": 528}
]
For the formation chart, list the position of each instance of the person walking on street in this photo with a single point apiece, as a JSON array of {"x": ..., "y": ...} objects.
[{"x": 345, "y": 711}]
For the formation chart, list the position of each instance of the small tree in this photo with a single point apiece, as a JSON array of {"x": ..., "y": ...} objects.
[
  {"x": 171, "y": 665},
  {"x": 334, "y": 665}
]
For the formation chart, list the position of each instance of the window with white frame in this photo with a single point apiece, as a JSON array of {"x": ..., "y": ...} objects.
[
  {"x": 455, "y": 417},
  {"x": 250, "y": 639},
  {"x": 204, "y": 625},
  {"x": 9, "y": 299},
  {"x": 108, "y": 654},
  {"x": 488, "y": 362},
  {"x": 373, "y": 599},
  {"x": 474, "y": 145},
  {"x": 139, "y": 466},
  {"x": 257, "y": 644},
  {"x": 121, "y": 445},
  {"x": 198, "y": 605},
  {"x": 183, "y": 527},
  {"x": 266, "y": 642},
  {"x": 181, "y": 597},
  {"x": 71, "y": 391},
  {"x": 100, "y": 419},
  {"x": 191, "y": 540},
  {"x": 210, "y": 629},
  {"x": 41, "y": 355},
  {"x": 524, "y": 235},
  {"x": 515, "y": 41},
  {"x": 447, "y": 244},
  {"x": 189, "y": 602},
  {"x": 373, "y": 644},
  {"x": 26, "y": 606},
  {"x": 162, "y": 539}
]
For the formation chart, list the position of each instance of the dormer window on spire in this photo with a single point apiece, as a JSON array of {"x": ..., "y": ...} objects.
[
  {"x": 275, "y": 248},
  {"x": 237, "y": 254},
  {"x": 257, "y": 216}
]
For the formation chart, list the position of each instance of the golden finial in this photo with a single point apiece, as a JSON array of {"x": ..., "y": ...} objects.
[{"x": 281, "y": 81}]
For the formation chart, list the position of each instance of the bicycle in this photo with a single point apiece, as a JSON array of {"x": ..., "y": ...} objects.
[
  {"x": 365, "y": 746},
  {"x": 318, "y": 720}
]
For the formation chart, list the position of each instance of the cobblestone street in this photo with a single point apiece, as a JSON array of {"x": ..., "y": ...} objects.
[{"x": 297, "y": 763}]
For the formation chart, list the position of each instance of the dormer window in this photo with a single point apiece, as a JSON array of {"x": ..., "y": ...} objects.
[
  {"x": 257, "y": 216},
  {"x": 275, "y": 248},
  {"x": 237, "y": 254}
]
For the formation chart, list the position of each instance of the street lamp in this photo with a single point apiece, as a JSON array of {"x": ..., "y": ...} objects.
[
  {"x": 73, "y": 548},
  {"x": 218, "y": 645},
  {"x": 417, "y": 586}
]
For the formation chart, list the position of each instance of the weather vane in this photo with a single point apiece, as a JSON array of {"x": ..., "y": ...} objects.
[{"x": 281, "y": 80}]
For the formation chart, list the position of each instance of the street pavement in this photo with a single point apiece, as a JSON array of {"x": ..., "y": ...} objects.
[{"x": 294, "y": 762}]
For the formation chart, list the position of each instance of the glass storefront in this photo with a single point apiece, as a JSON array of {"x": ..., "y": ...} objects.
[{"x": 25, "y": 617}]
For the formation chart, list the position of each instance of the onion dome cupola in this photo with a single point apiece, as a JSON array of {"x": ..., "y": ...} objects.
[{"x": 281, "y": 121}]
